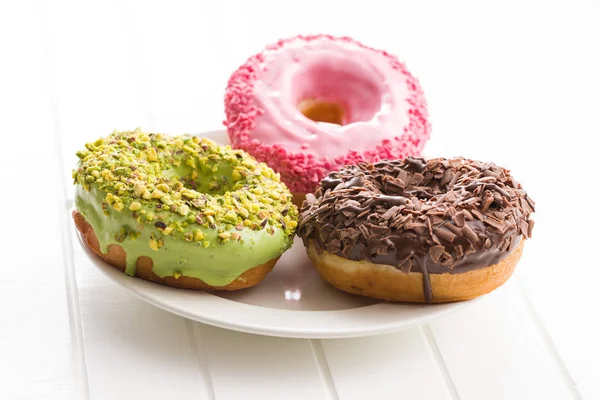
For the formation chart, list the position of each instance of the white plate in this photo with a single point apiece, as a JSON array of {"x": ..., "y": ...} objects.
[{"x": 292, "y": 301}]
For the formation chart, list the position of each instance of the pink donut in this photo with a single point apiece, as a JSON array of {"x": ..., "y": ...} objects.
[{"x": 312, "y": 104}]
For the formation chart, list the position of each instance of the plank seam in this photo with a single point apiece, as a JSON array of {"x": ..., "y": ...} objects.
[
  {"x": 197, "y": 345},
  {"x": 72, "y": 292},
  {"x": 548, "y": 342},
  {"x": 323, "y": 368},
  {"x": 440, "y": 362}
]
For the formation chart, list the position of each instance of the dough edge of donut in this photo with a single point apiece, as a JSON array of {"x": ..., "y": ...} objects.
[
  {"x": 385, "y": 282},
  {"x": 116, "y": 257}
]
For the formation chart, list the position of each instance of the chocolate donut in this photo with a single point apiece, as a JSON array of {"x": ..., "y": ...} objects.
[{"x": 418, "y": 231}]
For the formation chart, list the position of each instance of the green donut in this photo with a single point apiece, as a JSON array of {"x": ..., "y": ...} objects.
[{"x": 198, "y": 209}]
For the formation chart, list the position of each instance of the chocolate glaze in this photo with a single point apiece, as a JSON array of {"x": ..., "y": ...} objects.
[{"x": 440, "y": 216}]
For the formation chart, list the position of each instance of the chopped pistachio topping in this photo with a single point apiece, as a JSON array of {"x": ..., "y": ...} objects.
[{"x": 182, "y": 185}]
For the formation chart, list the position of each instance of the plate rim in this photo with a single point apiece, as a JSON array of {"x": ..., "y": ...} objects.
[{"x": 378, "y": 312}]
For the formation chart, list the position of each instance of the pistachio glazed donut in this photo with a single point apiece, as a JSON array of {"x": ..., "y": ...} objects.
[{"x": 182, "y": 210}]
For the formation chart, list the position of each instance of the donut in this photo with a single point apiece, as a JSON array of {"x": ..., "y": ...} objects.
[
  {"x": 309, "y": 105},
  {"x": 432, "y": 231},
  {"x": 182, "y": 210}
]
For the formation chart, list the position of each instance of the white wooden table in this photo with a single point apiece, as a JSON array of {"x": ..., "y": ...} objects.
[{"x": 515, "y": 82}]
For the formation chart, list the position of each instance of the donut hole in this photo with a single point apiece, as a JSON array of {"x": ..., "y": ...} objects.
[
  {"x": 338, "y": 93},
  {"x": 322, "y": 111},
  {"x": 407, "y": 184},
  {"x": 214, "y": 183}
]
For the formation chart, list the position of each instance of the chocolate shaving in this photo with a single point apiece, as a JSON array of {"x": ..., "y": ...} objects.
[
  {"x": 523, "y": 226},
  {"x": 468, "y": 215},
  {"x": 429, "y": 228},
  {"x": 416, "y": 204},
  {"x": 435, "y": 252},
  {"x": 459, "y": 219},
  {"x": 529, "y": 228},
  {"x": 488, "y": 199},
  {"x": 530, "y": 202},
  {"x": 391, "y": 212},
  {"x": 453, "y": 228},
  {"x": 448, "y": 262},
  {"x": 333, "y": 246},
  {"x": 405, "y": 266},
  {"x": 418, "y": 227},
  {"x": 450, "y": 197},
  {"x": 496, "y": 223},
  {"x": 416, "y": 179},
  {"x": 458, "y": 252},
  {"x": 446, "y": 177},
  {"x": 445, "y": 234},
  {"x": 378, "y": 230},
  {"x": 363, "y": 229},
  {"x": 470, "y": 234},
  {"x": 450, "y": 212}
]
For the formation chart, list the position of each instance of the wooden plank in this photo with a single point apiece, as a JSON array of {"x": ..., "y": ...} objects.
[
  {"x": 181, "y": 65},
  {"x": 35, "y": 340},
  {"x": 562, "y": 82},
  {"x": 399, "y": 365},
  {"x": 97, "y": 80},
  {"x": 112, "y": 66},
  {"x": 493, "y": 350},
  {"x": 132, "y": 349},
  {"x": 250, "y": 366}
]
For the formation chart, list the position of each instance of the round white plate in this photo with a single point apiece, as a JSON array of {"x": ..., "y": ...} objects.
[{"x": 292, "y": 301}]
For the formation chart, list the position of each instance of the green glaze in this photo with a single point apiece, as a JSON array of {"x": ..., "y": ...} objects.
[
  {"x": 218, "y": 264},
  {"x": 205, "y": 211}
]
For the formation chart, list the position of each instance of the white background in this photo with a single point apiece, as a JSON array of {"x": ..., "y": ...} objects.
[{"x": 515, "y": 82}]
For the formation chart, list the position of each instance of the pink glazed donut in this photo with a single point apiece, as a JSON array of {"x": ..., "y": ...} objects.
[{"x": 309, "y": 105}]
